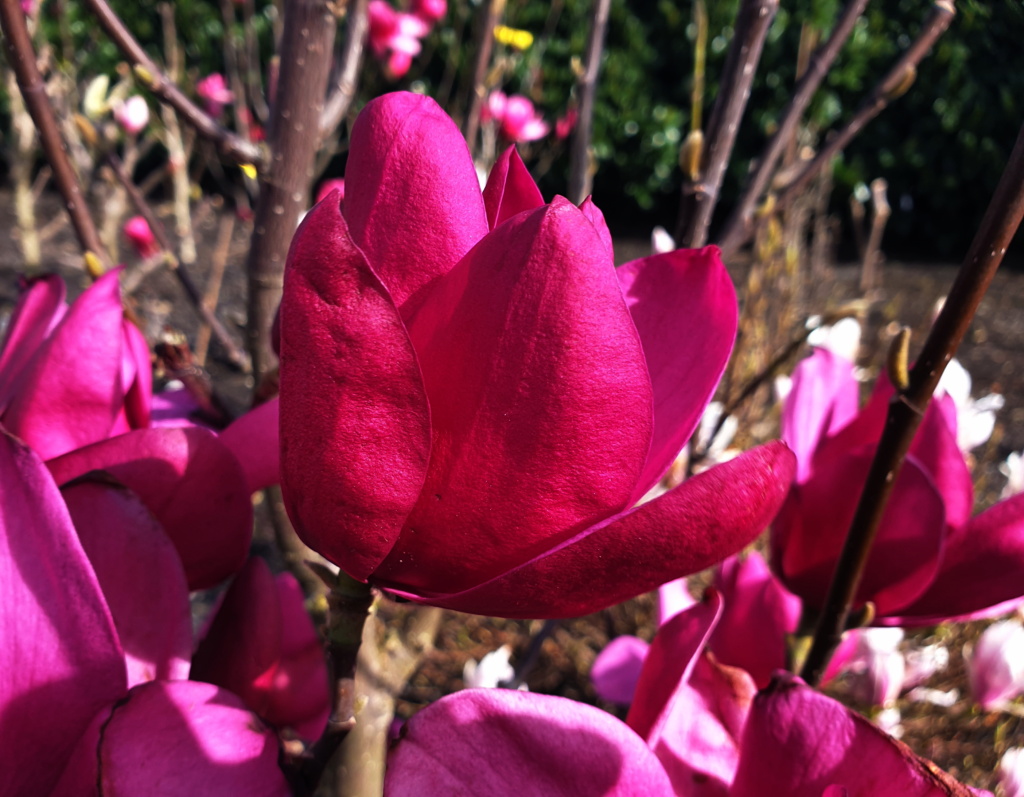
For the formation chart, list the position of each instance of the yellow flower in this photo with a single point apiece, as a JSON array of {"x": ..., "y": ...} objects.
[{"x": 513, "y": 37}]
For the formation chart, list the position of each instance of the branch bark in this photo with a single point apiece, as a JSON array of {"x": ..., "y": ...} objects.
[
  {"x": 345, "y": 73},
  {"x": 485, "y": 46},
  {"x": 581, "y": 166}
]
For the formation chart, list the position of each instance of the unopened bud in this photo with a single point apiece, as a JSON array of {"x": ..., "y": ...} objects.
[
  {"x": 691, "y": 153},
  {"x": 897, "y": 363}
]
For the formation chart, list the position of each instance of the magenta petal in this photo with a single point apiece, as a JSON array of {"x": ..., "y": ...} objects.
[
  {"x": 510, "y": 189},
  {"x": 355, "y": 423},
  {"x": 255, "y": 440},
  {"x": 936, "y": 449},
  {"x": 616, "y": 669},
  {"x": 684, "y": 306},
  {"x": 412, "y": 199},
  {"x": 517, "y": 744},
  {"x": 824, "y": 398},
  {"x": 759, "y": 613},
  {"x": 539, "y": 396},
  {"x": 39, "y": 308},
  {"x": 685, "y": 530},
  {"x": 798, "y": 742},
  {"x": 191, "y": 483},
  {"x": 141, "y": 576},
  {"x": 183, "y": 737},
  {"x": 138, "y": 386},
  {"x": 813, "y": 523},
  {"x": 59, "y": 655},
  {"x": 71, "y": 394}
]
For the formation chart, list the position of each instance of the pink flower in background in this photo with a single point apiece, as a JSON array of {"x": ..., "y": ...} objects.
[
  {"x": 997, "y": 664},
  {"x": 517, "y": 119},
  {"x": 413, "y": 462},
  {"x": 138, "y": 232},
  {"x": 430, "y": 11},
  {"x": 1011, "y": 772},
  {"x": 214, "y": 92},
  {"x": 564, "y": 125},
  {"x": 132, "y": 115},
  {"x": 395, "y": 36}
]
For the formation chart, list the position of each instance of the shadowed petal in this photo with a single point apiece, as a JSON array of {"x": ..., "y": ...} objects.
[
  {"x": 412, "y": 199},
  {"x": 141, "y": 576},
  {"x": 539, "y": 396},
  {"x": 677, "y": 299},
  {"x": 60, "y": 661},
  {"x": 191, "y": 483},
  {"x": 510, "y": 189},
  {"x": 517, "y": 744},
  {"x": 685, "y": 530},
  {"x": 936, "y": 450},
  {"x": 255, "y": 440},
  {"x": 137, "y": 377},
  {"x": 355, "y": 423},
  {"x": 39, "y": 308}
]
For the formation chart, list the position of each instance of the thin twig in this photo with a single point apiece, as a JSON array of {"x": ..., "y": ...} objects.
[
  {"x": 907, "y": 408},
  {"x": 22, "y": 58},
  {"x": 737, "y": 229},
  {"x": 532, "y": 655},
  {"x": 873, "y": 249},
  {"x": 484, "y": 47},
  {"x": 893, "y": 85},
  {"x": 699, "y": 197},
  {"x": 581, "y": 166},
  {"x": 179, "y": 363},
  {"x": 228, "y": 144},
  {"x": 345, "y": 72},
  {"x": 211, "y": 296}
]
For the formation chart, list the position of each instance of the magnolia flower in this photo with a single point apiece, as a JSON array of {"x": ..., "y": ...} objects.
[
  {"x": 1013, "y": 470},
  {"x": 975, "y": 418},
  {"x": 491, "y": 671},
  {"x": 430, "y": 11},
  {"x": 564, "y": 125},
  {"x": 661, "y": 241},
  {"x": 214, "y": 92},
  {"x": 132, "y": 115},
  {"x": 504, "y": 395},
  {"x": 138, "y": 232},
  {"x": 879, "y": 666},
  {"x": 997, "y": 664},
  {"x": 515, "y": 116},
  {"x": 396, "y": 36},
  {"x": 931, "y": 561},
  {"x": 1011, "y": 772}
]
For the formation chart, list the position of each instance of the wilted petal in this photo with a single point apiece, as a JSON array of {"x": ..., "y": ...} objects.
[
  {"x": 685, "y": 530},
  {"x": 141, "y": 576},
  {"x": 184, "y": 737},
  {"x": 517, "y": 744},
  {"x": 539, "y": 397},
  {"x": 412, "y": 202},
  {"x": 71, "y": 394},
  {"x": 616, "y": 669},
  {"x": 798, "y": 742},
  {"x": 510, "y": 189},
  {"x": 39, "y": 308},
  {"x": 191, "y": 483},
  {"x": 355, "y": 423},
  {"x": 255, "y": 440},
  {"x": 674, "y": 299},
  {"x": 60, "y": 661}
]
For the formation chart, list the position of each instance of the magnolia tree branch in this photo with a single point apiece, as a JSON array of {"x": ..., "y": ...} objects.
[
  {"x": 581, "y": 165},
  {"x": 485, "y": 46},
  {"x": 907, "y": 408},
  {"x": 893, "y": 85},
  {"x": 228, "y": 144},
  {"x": 738, "y": 228},
  {"x": 345, "y": 72},
  {"x": 22, "y": 58},
  {"x": 306, "y": 45},
  {"x": 700, "y": 196}
]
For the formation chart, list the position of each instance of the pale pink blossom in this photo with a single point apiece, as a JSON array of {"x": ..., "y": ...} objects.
[
  {"x": 515, "y": 116},
  {"x": 214, "y": 92},
  {"x": 395, "y": 36},
  {"x": 132, "y": 115}
]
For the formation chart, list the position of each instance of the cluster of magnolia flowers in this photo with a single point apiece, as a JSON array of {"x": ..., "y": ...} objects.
[{"x": 473, "y": 402}]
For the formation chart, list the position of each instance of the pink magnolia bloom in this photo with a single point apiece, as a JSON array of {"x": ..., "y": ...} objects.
[
  {"x": 517, "y": 119},
  {"x": 430, "y": 11},
  {"x": 214, "y": 92},
  {"x": 564, "y": 125},
  {"x": 132, "y": 115},
  {"x": 137, "y": 230},
  {"x": 505, "y": 395},
  {"x": 931, "y": 560},
  {"x": 1011, "y": 772},
  {"x": 395, "y": 36},
  {"x": 997, "y": 664},
  {"x": 70, "y": 376}
]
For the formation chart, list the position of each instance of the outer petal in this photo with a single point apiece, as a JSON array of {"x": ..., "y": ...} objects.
[
  {"x": 355, "y": 423},
  {"x": 510, "y": 189},
  {"x": 540, "y": 402},
  {"x": 71, "y": 394},
  {"x": 593, "y": 212},
  {"x": 798, "y": 742},
  {"x": 183, "y": 737},
  {"x": 141, "y": 576},
  {"x": 824, "y": 398},
  {"x": 412, "y": 198},
  {"x": 685, "y": 530},
  {"x": 255, "y": 440},
  {"x": 684, "y": 306},
  {"x": 138, "y": 387},
  {"x": 39, "y": 308},
  {"x": 60, "y": 660},
  {"x": 936, "y": 449},
  {"x": 813, "y": 524},
  {"x": 517, "y": 744},
  {"x": 759, "y": 613},
  {"x": 616, "y": 669},
  {"x": 190, "y": 482}
]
